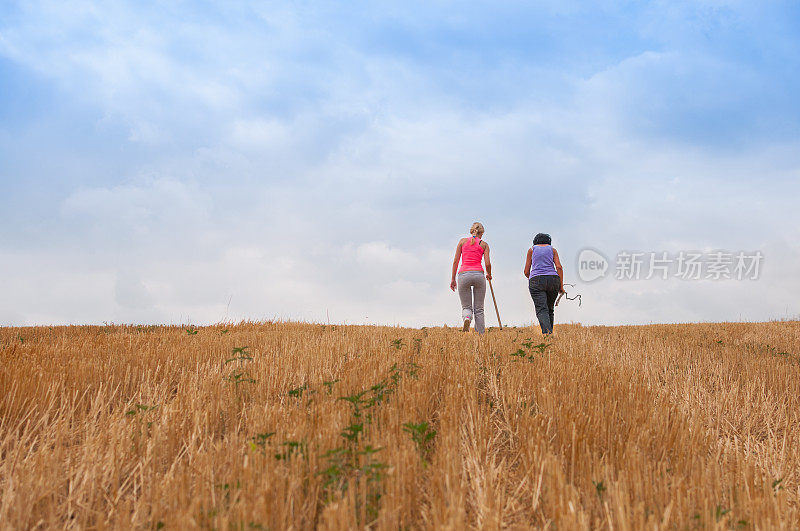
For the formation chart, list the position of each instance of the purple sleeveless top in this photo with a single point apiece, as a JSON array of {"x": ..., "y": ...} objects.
[{"x": 542, "y": 260}]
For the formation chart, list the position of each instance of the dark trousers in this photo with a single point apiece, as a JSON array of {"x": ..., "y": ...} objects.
[{"x": 544, "y": 290}]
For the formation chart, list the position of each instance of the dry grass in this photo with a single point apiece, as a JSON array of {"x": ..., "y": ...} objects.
[{"x": 624, "y": 427}]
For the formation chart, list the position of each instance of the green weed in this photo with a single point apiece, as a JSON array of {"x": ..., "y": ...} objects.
[
  {"x": 329, "y": 384},
  {"x": 260, "y": 440},
  {"x": 140, "y": 408},
  {"x": 239, "y": 354},
  {"x": 422, "y": 435}
]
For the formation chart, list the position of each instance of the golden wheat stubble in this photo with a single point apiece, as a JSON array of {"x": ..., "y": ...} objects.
[{"x": 346, "y": 426}]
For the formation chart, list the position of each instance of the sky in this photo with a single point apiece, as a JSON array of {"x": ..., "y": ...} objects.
[{"x": 204, "y": 162}]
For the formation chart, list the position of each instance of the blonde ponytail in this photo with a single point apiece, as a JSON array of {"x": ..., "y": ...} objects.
[{"x": 476, "y": 231}]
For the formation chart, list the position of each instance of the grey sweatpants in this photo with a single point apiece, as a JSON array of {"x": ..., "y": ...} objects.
[{"x": 472, "y": 291}]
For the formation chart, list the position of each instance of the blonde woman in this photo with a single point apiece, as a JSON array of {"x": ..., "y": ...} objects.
[{"x": 471, "y": 284}]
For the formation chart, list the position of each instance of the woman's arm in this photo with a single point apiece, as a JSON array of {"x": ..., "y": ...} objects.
[
  {"x": 527, "y": 270},
  {"x": 487, "y": 261},
  {"x": 559, "y": 269},
  {"x": 455, "y": 264}
]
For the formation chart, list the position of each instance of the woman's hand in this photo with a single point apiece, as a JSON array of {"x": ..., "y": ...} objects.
[
  {"x": 453, "y": 284},
  {"x": 562, "y": 290},
  {"x": 488, "y": 276}
]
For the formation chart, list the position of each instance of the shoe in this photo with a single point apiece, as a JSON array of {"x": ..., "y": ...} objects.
[{"x": 466, "y": 326}]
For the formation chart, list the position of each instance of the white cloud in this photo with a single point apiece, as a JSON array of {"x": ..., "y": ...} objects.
[
  {"x": 300, "y": 170},
  {"x": 260, "y": 134},
  {"x": 380, "y": 254},
  {"x": 139, "y": 210},
  {"x": 308, "y": 249},
  {"x": 131, "y": 293}
]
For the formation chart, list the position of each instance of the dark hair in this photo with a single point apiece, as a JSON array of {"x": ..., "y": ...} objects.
[{"x": 542, "y": 238}]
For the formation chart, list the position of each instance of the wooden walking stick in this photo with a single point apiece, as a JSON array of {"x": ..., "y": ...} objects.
[{"x": 495, "y": 305}]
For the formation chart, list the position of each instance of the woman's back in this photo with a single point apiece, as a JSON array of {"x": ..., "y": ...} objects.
[
  {"x": 542, "y": 261},
  {"x": 471, "y": 282},
  {"x": 471, "y": 255}
]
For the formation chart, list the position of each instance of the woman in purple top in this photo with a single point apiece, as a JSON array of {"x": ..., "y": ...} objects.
[{"x": 545, "y": 279}]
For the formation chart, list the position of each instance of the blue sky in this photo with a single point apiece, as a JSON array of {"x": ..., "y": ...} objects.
[{"x": 229, "y": 160}]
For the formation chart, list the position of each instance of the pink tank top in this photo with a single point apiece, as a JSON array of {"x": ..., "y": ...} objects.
[{"x": 471, "y": 255}]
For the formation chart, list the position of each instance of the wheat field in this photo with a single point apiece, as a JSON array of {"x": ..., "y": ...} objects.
[{"x": 299, "y": 426}]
